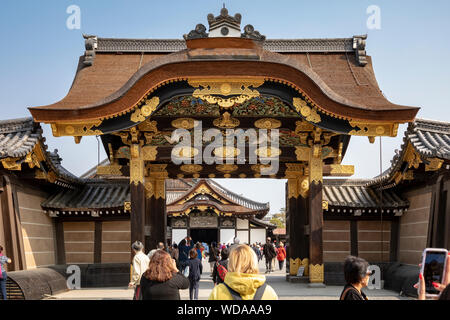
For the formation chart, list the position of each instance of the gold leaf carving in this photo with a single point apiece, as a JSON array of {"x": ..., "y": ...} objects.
[
  {"x": 310, "y": 114},
  {"x": 226, "y": 121},
  {"x": 267, "y": 123},
  {"x": 316, "y": 273},
  {"x": 218, "y": 91}
]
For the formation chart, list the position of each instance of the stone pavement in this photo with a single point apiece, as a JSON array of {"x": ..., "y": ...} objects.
[{"x": 277, "y": 279}]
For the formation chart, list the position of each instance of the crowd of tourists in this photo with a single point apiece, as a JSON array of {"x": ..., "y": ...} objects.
[
  {"x": 234, "y": 270},
  {"x": 160, "y": 274}
]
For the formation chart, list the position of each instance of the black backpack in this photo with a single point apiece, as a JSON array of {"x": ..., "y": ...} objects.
[{"x": 258, "y": 295}]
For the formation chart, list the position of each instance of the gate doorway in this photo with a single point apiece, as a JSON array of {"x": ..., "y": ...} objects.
[{"x": 204, "y": 235}]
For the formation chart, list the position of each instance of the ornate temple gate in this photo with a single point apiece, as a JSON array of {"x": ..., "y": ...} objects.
[{"x": 227, "y": 83}]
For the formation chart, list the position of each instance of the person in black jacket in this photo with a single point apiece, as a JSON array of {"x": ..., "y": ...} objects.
[
  {"x": 162, "y": 281},
  {"x": 195, "y": 271},
  {"x": 224, "y": 262},
  {"x": 213, "y": 256},
  {"x": 269, "y": 253},
  {"x": 356, "y": 275}
]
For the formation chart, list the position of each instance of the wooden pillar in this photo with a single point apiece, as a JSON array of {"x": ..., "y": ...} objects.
[
  {"x": 354, "y": 238},
  {"x": 297, "y": 193},
  {"x": 316, "y": 267},
  {"x": 98, "y": 242},
  {"x": 60, "y": 246},
  {"x": 155, "y": 217},
  {"x": 137, "y": 192}
]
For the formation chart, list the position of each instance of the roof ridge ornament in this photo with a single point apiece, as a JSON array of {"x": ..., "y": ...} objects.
[
  {"x": 90, "y": 45},
  {"x": 224, "y": 25},
  {"x": 359, "y": 45}
]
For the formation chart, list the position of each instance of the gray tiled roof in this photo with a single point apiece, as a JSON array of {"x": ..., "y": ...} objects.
[
  {"x": 175, "y": 45},
  {"x": 430, "y": 138},
  {"x": 18, "y": 137},
  {"x": 356, "y": 195},
  {"x": 93, "y": 195}
]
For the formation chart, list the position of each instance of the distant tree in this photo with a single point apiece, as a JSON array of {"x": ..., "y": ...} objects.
[{"x": 279, "y": 219}]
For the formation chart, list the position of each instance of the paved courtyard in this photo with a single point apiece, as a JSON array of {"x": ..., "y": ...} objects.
[{"x": 277, "y": 279}]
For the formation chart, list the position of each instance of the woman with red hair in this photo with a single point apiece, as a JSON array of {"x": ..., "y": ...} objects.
[{"x": 162, "y": 281}]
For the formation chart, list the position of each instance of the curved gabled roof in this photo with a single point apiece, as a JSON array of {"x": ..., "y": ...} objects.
[
  {"x": 336, "y": 79},
  {"x": 236, "y": 203}
]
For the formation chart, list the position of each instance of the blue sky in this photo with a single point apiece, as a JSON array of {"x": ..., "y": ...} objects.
[{"x": 410, "y": 54}]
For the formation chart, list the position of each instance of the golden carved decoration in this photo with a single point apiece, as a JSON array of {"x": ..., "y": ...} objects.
[
  {"x": 434, "y": 164},
  {"x": 211, "y": 175},
  {"x": 324, "y": 205},
  {"x": 305, "y": 263},
  {"x": 109, "y": 170},
  {"x": 149, "y": 153},
  {"x": 184, "y": 152},
  {"x": 373, "y": 129},
  {"x": 148, "y": 125},
  {"x": 149, "y": 189},
  {"x": 267, "y": 123},
  {"x": 294, "y": 264},
  {"x": 183, "y": 123},
  {"x": 226, "y": 152},
  {"x": 191, "y": 168},
  {"x": 340, "y": 170},
  {"x": 302, "y": 153},
  {"x": 316, "y": 273},
  {"x": 226, "y": 121},
  {"x": 140, "y": 114},
  {"x": 11, "y": 164},
  {"x": 310, "y": 114},
  {"x": 242, "y": 175},
  {"x": 127, "y": 206},
  {"x": 227, "y": 168},
  {"x": 315, "y": 164},
  {"x": 76, "y": 129},
  {"x": 266, "y": 152},
  {"x": 157, "y": 176},
  {"x": 215, "y": 90},
  {"x": 303, "y": 126},
  {"x": 137, "y": 168},
  {"x": 412, "y": 157}
]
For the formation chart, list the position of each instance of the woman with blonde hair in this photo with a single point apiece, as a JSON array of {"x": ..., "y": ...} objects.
[
  {"x": 243, "y": 281},
  {"x": 162, "y": 281}
]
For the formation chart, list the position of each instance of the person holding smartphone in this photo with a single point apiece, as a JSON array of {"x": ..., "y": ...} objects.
[{"x": 443, "y": 288}]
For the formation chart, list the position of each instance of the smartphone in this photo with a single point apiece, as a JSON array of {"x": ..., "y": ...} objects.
[{"x": 433, "y": 266}]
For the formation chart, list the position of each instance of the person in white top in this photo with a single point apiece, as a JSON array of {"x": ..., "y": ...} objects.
[{"x": 140, "y": 265}]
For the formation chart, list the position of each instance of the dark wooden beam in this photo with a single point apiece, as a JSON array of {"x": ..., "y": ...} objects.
[
  {"x": 60, "y": 246},
  {"x": 354, "y": 237},
  {"x": 98, "y": 242},
  {"x": 395, "y": 233}
]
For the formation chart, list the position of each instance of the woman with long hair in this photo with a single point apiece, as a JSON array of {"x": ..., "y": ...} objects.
[
  {"x": 162, "y": 281},
  {"x": 243, "y": 281}
]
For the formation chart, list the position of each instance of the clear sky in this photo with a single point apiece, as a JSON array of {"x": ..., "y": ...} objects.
[{"x": 410, "y": 53}]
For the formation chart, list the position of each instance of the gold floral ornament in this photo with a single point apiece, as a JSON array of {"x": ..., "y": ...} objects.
[
  {"x": 310, "y": 114},
  {"x": 316, "y": 273},
  {"x": 185, "y": 152},
  {"x": 146, "y": 110},
  {"x": 267, "y": 123},
  {"x": 266, "y": 152},
  {"x": 226, "y": 121},
  {"x": 183, "y": 123},
  {"x": 191, "y": 168},
  {"x": 225, "y": 92},
  {"x": 226, "y": 152}
]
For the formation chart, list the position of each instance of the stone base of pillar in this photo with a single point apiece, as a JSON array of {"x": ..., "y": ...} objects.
[{"x": 295, "y": 279}]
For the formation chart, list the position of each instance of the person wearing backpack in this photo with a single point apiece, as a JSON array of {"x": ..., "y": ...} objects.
[
  {"x": 195, "y": 271},
  {"x": 243, "y": 281},
  {"x": 220, "y": 268}
]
